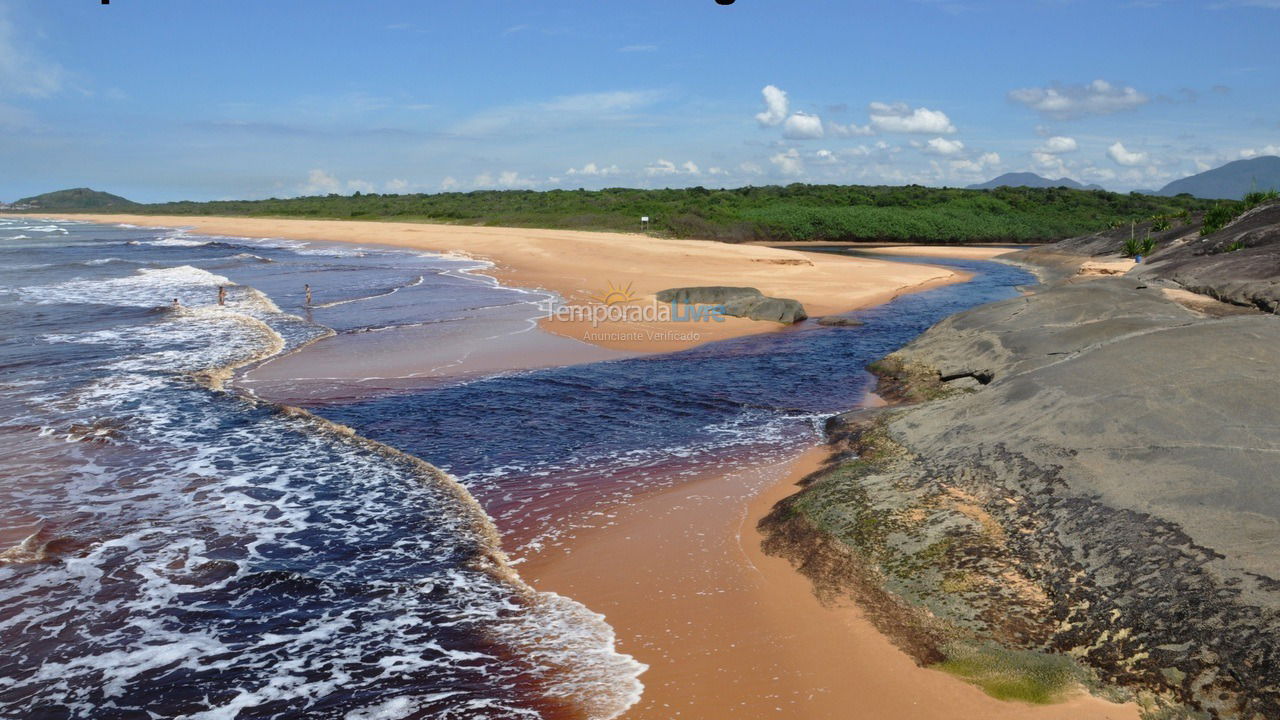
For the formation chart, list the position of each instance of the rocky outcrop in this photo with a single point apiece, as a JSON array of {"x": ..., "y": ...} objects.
[
  {"x": 1239, "y": 263},
  {"x": 1093, "y": 471},
  {"x": 746, "y": 302}
]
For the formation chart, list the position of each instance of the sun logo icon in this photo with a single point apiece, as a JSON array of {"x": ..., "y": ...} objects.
[{"x": 617, "y": 295}]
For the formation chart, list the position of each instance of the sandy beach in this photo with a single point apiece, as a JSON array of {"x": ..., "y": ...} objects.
[
  {"x": 583, "y": 267},
  {"x": 729, "y": 632}
]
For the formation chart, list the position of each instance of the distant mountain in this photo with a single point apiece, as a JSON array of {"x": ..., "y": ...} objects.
[
  {"x": 1231, "y": 181},
  {"x": 1028, "y": 179},
  {"x": 75, "y": 199}
]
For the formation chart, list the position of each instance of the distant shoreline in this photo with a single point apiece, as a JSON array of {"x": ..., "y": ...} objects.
[{"x": 581, "y": 267}]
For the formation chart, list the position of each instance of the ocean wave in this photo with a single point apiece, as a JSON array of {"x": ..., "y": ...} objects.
[
  {"x": 414, "y": 283},
  {"x": 242, "y": 557},
  {"x": 147, "y": 287}
]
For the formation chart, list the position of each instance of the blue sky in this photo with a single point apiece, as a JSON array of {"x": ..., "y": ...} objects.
[{"x": 165, "y": 100}]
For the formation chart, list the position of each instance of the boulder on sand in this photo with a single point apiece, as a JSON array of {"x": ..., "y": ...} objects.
[{"x": 746, "y": 302}]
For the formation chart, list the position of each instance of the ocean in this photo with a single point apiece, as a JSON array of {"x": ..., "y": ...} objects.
[{"x": 173, "y": 544}]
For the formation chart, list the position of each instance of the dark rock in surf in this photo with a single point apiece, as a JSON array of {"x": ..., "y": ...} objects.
[{"x": 837, "y": 321}]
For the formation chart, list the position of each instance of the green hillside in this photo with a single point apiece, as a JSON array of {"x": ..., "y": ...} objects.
[{"x": 76, "y": 199}]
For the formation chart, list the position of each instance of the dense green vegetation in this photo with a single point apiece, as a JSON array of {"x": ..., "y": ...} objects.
[
  {"x": 1222, "y": 214},
  {"x": 794, "y": 212}
]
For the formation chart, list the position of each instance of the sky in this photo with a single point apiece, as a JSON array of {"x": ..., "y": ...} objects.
[{"x": 163, "y": 100}]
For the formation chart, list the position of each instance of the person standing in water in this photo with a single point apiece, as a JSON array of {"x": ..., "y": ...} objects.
[
  {"x": 308, "y": 289},
  {"x": 222, "y": 294}
]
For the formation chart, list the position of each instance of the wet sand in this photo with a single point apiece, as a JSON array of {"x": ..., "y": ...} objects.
[
  {"x": 729, "y": 632},
  {"x": 583, "y": 267}
]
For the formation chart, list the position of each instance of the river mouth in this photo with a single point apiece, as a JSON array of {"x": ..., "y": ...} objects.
[{"x": 216, "y": 551}]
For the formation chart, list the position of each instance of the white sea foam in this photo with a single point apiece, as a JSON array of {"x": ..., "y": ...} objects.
[{"x": 206, "y": 480}]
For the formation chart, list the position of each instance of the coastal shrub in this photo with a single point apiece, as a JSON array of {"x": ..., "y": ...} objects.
[
  {"x": 1135, "y": 246},
  {"x": 1219, "y": 216},
  {"x": 1234, "y": 246},
  {"x": 1025, "y": 675},
  {"x": 1160, "y": 223},
  {"x": 1183, "y": 215},
  {"x": 1258, "y": 197}
]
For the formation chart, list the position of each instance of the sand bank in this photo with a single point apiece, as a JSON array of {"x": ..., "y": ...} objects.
[
  {"x": 584, "y": 267},
  {"x": 729, "y": 632}
]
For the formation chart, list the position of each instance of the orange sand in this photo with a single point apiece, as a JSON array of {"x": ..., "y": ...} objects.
[
  {"x": 582, "y": 266},
  {"x": 729, "y": 632}
]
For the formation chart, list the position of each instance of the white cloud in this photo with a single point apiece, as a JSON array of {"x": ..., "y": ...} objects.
[
  {"x": 395, "y": 185},
  {"x": 1256, "y": 152},
  {"x": 901, "y": 118},
  {"x": 505, "y": 179},
  {"x": 825, "y": 157},
  {"x": 789, "y": 162},
  {"x": 803, "y": 126},
  {"x": 1058, "y": 144},
  {"x": 1123, "y": 156},
  {"x": 1072, "y": 101},
  {"x": 750, "y": 168},
  {"x": 22, "y": 71},
  {"x": 1048, "y": 163},
  {"x": 449, "y": 183},
  {"x": 850, "y": 130},
  {"x": 943, "y": 146},
  {"x": 775, "y": 107},
  {"x": 976, "y": 165},
  {"x": 593, "y": 170},
  {"x": 665, "y": 167}
]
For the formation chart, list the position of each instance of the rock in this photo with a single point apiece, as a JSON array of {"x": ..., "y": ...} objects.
[
  {"x": 1111, "y": 492},
  {"x": 744, "y": 302},
  {"x": 708, "y": 295},
  {"x": 838, "y": 321}
]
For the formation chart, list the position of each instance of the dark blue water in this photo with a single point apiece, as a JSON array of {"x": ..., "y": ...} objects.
[
  {"x": 169, "y": 549},
  {"x": 537, "y": 447}
]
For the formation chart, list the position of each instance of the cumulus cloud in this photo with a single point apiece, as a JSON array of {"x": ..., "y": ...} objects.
[
  {"x": 1260, "y": 151},
  {"x": 320, "y": 182},
  {"x": 803, "y": 126},
  {"x": 1064, "y": 102},
  {"x": 662, "y": 167},
  {"x": 776, "y": 107},
  {"x": 850, "y": 130},
  {"x": 789, "y": 162},
  {"x": 593, "y": 170},
  {"x": 505, "y": 179},
  {"x": 449, "y": 183},
  {"x": 396, "y": 185},
  {"x": 1048, "y": 163},
  {"x": 1057, "y": 145},
  {"x": 1123, "y": 156},
  {"x": 978, "y": 164},
  {"x": 943, "y": 146},
  {"x": 22, "y": 71},
  {"x": 901, "y": 118}
]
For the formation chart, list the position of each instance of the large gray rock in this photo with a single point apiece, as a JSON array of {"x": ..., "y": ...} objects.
[{"x": 744, "y": 302}]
